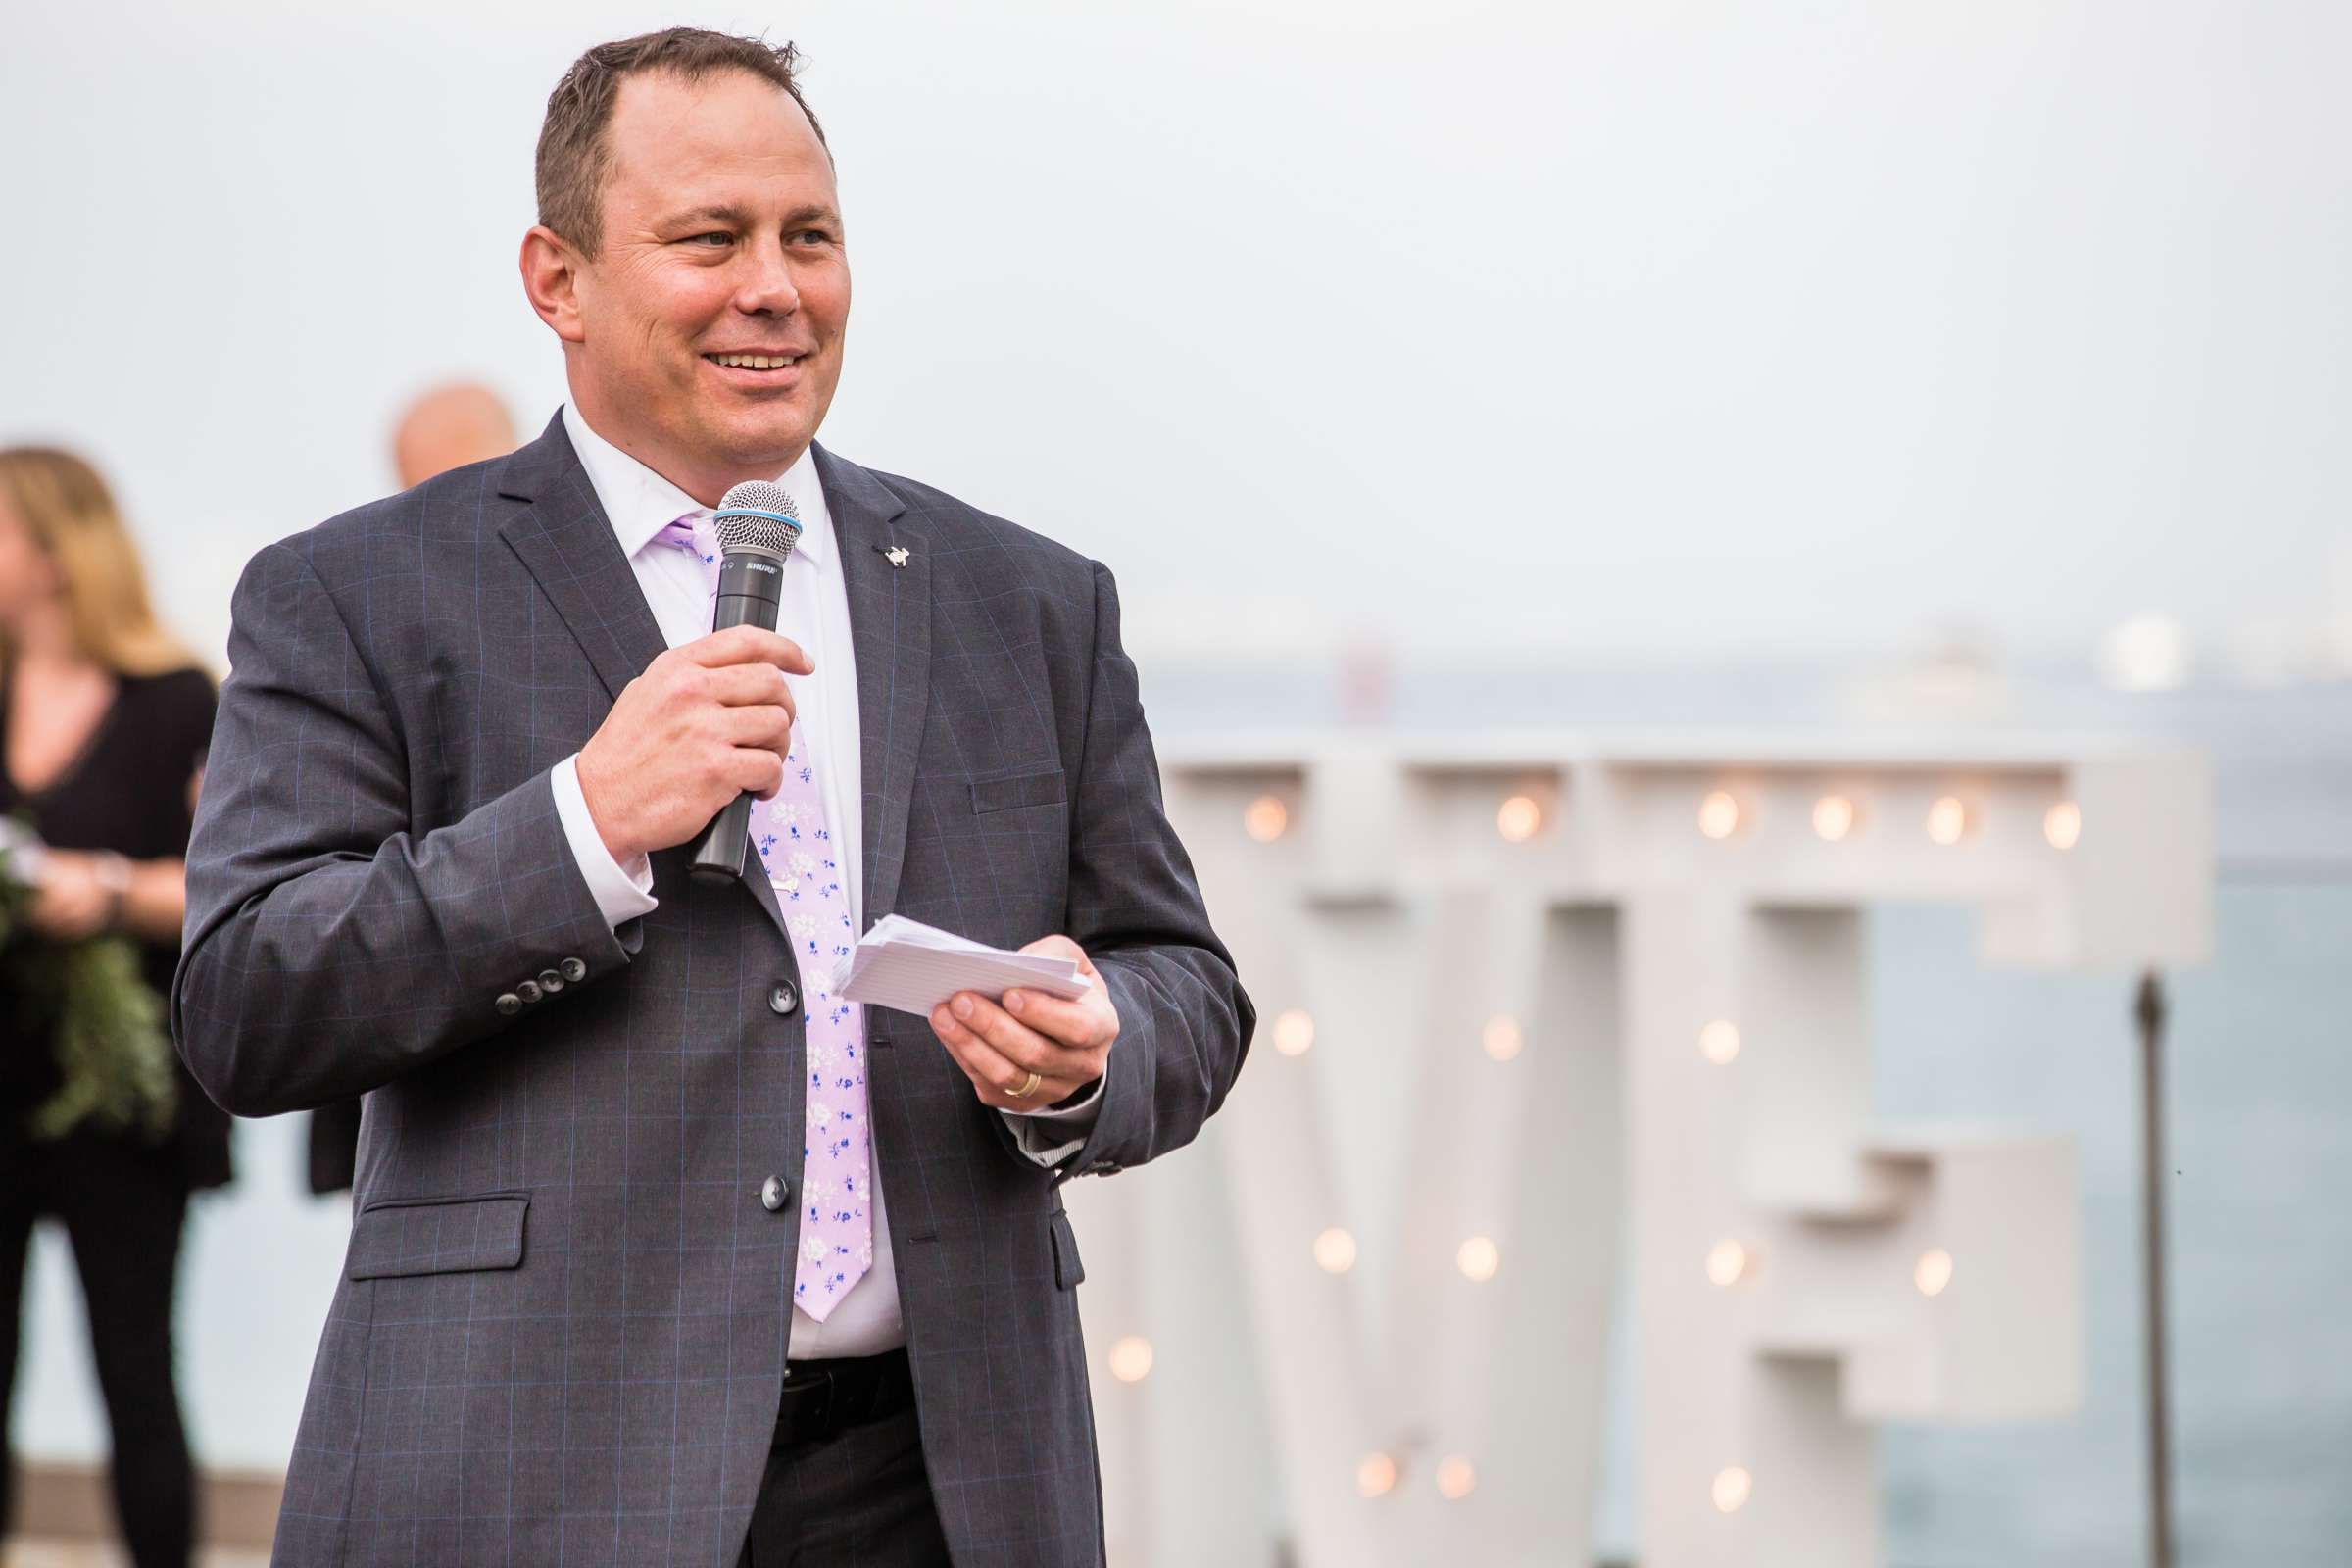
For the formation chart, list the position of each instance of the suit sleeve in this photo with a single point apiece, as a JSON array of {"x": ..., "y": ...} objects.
[
  {"x": 1184, "y": 1019},
  {"x": 330, "y": 945}
]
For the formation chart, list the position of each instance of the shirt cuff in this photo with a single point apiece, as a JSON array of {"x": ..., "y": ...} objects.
[
  {"x": 1049, "y": 1136},
  {"x": 623, "y": 893}
]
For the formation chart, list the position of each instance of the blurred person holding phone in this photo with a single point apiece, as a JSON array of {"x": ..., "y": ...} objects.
[{"x": 104, "y": 722}]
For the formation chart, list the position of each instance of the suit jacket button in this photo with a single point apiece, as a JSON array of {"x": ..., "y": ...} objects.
[
  {"x": 771, "y": 1194},
  {"x": 508, "y": 1004},
  {"x": 783, "y": 998},
  {"x": 550, "y": 981},
  {"x": 573, "y": 970},
  {"x": 528, "y": 990}
]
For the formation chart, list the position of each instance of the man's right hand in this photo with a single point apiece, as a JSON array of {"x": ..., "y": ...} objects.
[{"x": 703, "y": 723}]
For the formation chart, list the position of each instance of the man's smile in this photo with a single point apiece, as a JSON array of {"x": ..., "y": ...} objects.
[
  {"x": 756, "y": 362},
  {"x": 765, "y": 371}
]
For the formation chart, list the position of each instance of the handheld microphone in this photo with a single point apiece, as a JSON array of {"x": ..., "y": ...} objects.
[{"x": 757, "y": 523}]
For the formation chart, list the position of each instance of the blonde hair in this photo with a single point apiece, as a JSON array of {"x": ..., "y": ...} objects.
[{"x": 73, "y": 516}]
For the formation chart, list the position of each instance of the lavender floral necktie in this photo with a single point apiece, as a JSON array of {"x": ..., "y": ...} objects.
[{"x": 796, "y": 849}]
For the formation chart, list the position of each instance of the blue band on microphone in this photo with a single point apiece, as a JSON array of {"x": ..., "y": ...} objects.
[{"x": 784, "y": 518}]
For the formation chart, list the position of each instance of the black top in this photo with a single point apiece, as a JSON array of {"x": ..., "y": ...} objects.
[{"x": 126, "y": 791}]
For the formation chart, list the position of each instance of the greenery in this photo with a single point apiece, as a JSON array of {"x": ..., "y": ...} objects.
[{"x": 104, "y": 1021}]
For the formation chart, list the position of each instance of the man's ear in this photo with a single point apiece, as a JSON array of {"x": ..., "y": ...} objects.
[{"x": 551, "y": 277}]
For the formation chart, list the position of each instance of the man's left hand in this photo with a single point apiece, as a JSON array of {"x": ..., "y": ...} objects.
[{"x": 1067, "y": 1044}]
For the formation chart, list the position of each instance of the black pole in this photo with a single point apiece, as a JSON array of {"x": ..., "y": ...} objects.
[{"x": 2151, "y": 1014}]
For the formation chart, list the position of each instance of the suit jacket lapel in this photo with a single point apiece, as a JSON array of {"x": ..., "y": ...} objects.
[
  {"x": 566, "y": 543},
  {"x": 890, "y": 628}
]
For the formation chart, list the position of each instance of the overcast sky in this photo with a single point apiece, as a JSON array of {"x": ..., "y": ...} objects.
[{"x": 1618, "y": 327}]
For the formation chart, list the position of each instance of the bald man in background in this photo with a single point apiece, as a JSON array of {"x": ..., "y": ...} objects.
[
  {"x": 449, "y": 427},
  {"x": 445, "y": 428}
]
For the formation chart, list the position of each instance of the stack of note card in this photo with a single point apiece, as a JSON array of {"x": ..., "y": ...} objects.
[{"x": 914, "y": 968}]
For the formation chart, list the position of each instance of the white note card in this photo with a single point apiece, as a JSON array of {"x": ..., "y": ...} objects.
[{"x": 914, "y": 968}]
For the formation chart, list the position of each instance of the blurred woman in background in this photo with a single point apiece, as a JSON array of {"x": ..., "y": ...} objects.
[{"x": 104, "y": 720}]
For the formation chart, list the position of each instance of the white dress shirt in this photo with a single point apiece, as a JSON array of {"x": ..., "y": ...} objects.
[{"x": 814, "y": 613}]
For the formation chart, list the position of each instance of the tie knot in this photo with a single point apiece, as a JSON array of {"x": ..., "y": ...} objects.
[{"x": 692, "y": 533}]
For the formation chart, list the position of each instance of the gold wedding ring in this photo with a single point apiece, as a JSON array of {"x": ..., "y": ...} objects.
[{"x": 1036, "y": 1082}]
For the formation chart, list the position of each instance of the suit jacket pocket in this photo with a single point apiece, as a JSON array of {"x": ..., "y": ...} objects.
[
  {"x": 396, "y": 1235},
  {"x": 1020, "y": 789}
]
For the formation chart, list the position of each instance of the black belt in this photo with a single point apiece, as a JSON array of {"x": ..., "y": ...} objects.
[{"x": 823, "y": 1398}]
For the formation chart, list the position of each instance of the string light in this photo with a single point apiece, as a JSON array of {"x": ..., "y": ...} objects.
[
  {"x": 1335, "y": 1250},
  {"x": 2062, "y": 825},
  {"x": 1266, "y": 818},
  {"x": 1719, "y": 815},
  {"x": 1834, "y": 817},
  {"x": 1504, "y": 1040},
  {"x": 1131, "y": 1359},
  {"x": 1478, "y": 1259},
  {"x": 1375, "y": 1475},
  {"x": 1934, "y": 1272},
  {"x": 1294, "y": 1031},
  {"x": 1519, "y": 819},
  {"x": 1948, "y": 820},
  {"x": 2148, "y": 653},
  {"x": 1719, "y": 1041},
  {"x": 1727, "y": 1262},
  {"x": 1730, "y": 1489},
  {"x": 1457, "y": 1477}
]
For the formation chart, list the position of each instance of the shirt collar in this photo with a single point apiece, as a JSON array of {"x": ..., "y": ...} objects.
[{"x": 640, "y": 503}]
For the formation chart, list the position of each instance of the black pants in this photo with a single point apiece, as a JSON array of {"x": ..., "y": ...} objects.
[
  {"x": 859, "y": 1498},
  {"x": 123, "y": 1209}
]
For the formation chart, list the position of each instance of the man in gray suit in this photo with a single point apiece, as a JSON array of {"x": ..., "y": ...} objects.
[{"x": 660, "y": 1252}]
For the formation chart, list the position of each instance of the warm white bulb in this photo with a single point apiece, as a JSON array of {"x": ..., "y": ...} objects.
[
  {"x": 1457, "y": 1477},
  {"x": 1833, "y": 818},
  {"x": 1335, "y": 1250},
  {"x": 2149, "y": 652},
  {"x": 1519, "y": 819},
  {"x": 1131, "y": 1359},
  {"x": 1294, "y": 1031},
  {"x": 2062, "y": 825},
  {"x": 1948, "y": 820},
  {"x": 1719, "y": 1041},
  {"x": 1730, "y": 1489},
  {"x": 1727, "y": 1262},
  {"x": 1504, "y": 1040},
  {"x": 1478, "y": 1259},
  {"x": 1719, "y": 815},
  {"x": 1375, "y": 1475},
  {"x": 1934, "y": 1272},
  {"x": 1266, "y": 818}
]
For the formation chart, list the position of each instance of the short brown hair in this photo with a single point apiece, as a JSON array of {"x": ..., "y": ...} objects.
[{"x": 573, "y": 157}]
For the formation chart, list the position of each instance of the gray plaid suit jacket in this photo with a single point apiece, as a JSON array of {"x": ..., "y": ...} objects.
[{"x": 562, "y": 1322}]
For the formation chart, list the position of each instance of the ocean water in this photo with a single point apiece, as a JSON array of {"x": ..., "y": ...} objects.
[{"x": 2258, "y": 1103}]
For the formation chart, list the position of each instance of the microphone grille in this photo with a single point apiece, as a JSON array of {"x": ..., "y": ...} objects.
[{"x": 758, "y": 516}]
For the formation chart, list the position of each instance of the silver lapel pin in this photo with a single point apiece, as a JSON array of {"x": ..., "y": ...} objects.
[{"x": 896, "y": 554}]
